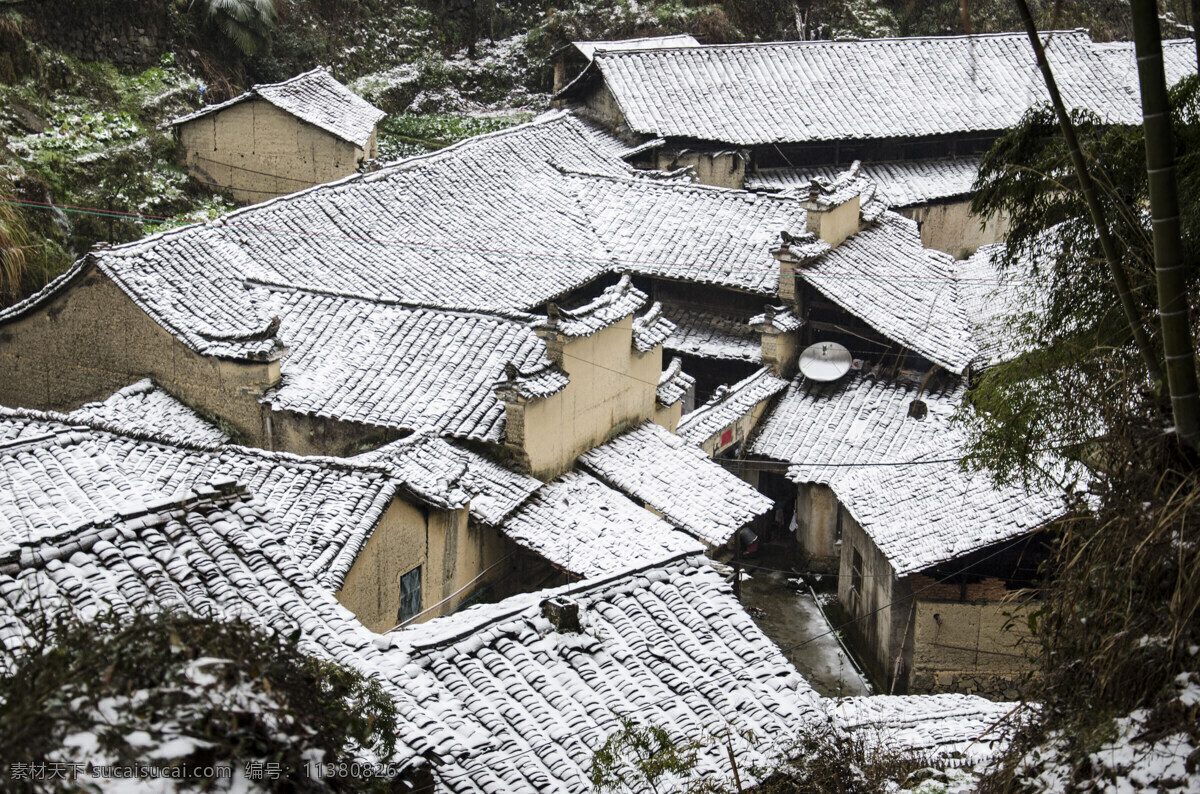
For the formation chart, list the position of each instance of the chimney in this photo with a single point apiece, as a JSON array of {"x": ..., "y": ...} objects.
[
  {"x": 832, "y": 216},
  {"x": 562, "y": 612},
  {"x": 779, "y": 330}
]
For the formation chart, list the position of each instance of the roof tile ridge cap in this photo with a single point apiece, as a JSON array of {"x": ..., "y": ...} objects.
[
  {"x": 594, "y": 587},
  {"x": 397, "y": 165},
  {"x": 281, "y": 457},
  {"x": 47, "y": 292},
  {"x": 58, "y": 437},
  {"x": 751, "y": 45},
  {"x": 140, "y": 435},
  {"x": 639, "y": 178},
  {"x": 294, "y": 78}
]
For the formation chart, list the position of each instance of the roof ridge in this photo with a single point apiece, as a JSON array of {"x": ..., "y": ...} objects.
[
  {"x": 527, "y": 601},
  {"x": 512, "y": 315},
  {"x": 24, "y": 554},
  {"x": 828, "y": 42}
]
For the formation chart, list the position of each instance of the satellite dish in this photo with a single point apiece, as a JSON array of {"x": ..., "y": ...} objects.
[{"x": 825, "y": 361}]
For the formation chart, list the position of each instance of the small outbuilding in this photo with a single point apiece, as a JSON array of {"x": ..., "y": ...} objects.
[{"x": 279, "y": 138}]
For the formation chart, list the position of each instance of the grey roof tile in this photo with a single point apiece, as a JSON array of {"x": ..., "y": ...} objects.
[
  {"x": 668, "y": 646},
  {"x": 147, "y": 408},
  {"x": 673, "y": 383},
  {"x": 727, "y": 405},
  {"x": 931, "y": 511},
  {"x": 900, "y": 184},
  {"x": 586, "y": 528},
  {"x": 826, "y": 429},
  {"x": 589, "y": 48},
  {"x": 708, "y": 335},
  {"x": 1179, "y": 61},
  {"x": 753, "y": 94},
  {"x": 908, "y": 293},
  {"x": 314, "y": 97},
  {"x": 679, "y": 481}
]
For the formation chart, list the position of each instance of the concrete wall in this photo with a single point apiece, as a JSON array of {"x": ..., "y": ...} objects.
[
  {"x": 817, "y": 510},
  {"x": 611, "y": 387},
  {"x": 954, "y": 229},
  {"x": 258, "y": 151},
  {"x": 92, "y": 340},
  {"x": 721, "y": 170}
]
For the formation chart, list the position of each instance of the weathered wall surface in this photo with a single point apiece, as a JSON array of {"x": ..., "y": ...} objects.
[
  {"x": 604, "y": 105},
  {"x": 668, "y": 417},
  {"x": 817, "y": 509},
  {"x": 738, "y": 431},
  {"x": 258, "y": 152},
  {"x": 611, "y": 387},
  {"x": 461, "y": 557},
  {"x": 372, "y": 587},
  {"x": 954, "y": 229},
  {"x": 92, "y": 340},
  {"x": 720, "y": 170},
  {"x": 130, "y": 33},
  {"x": 970, "y": 647},
  {"x": 873, "y": 629},
  {"x": 315, "y": 435}
]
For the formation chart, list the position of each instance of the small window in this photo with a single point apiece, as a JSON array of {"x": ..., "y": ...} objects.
[
  {"x": 856, "y": 573},
  {"x": 410, "y": 595},
  {"x": 838, "y": 531}
]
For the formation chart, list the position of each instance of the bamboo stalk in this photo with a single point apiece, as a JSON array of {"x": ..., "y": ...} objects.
[
  {"x": 1120, "y": 280},
  {"x": 1169, "y": 266}
]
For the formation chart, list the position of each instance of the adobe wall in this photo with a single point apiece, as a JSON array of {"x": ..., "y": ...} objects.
[
  {"x": 371, "y": 589},
  {"x": 302, "y": 434},
  {"x": 817, "y": 509},
  {"x": 879, "y": 611},
  {"x": 257, "y": 151},
  {"x": 92, "y": 339},
  {"x": 739, "y": 430},
  {"x": 721, "y": 170},
  {"x": 461, "y": 556},
  {"x": 612, "y": 387},
  {"x": 603, "y": 104},
  {"x": 977, "y": 648},
  {"x": 954, "y": 229}
]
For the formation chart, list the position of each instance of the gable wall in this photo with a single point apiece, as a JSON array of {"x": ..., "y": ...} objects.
[
  {"x": 953, "y": 228},
  {"x": 612, "y": 387},
  {"x": 258, "y": 152},
  {"x": 92, "y": 340}
]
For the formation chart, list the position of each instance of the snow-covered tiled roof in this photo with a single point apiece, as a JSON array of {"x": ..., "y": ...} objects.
[
  {"x": 673, "y": 383},
  {"x": 679, "y": 481},
  {"x": 689, "y": 232},
  {"x": 949, "y": 726},
  {"x": 707, "y": 335},
  {"x": 213, "y": 551},
  {"x": 651, "y": 329},
  {"x": 727, "y": 405},
  {"x": 439, "y": 471},
  {"x": 884, "y": 276},
  {"x": 314, "y": 97},
  {"x": 1179, "y": 61},
  {"x": 929, "y": 510},
  {"x": 589, "y": 48},
  {"x": 826, "y": 429},
  {"x": 995, "y": 302},
  {"x": 903, "y": 183},
  {"x": 63, "y": 476},
  {"x": 147, "y": 408},
  {"x": 667, "y": 646},
  {"x": 752, "y": 94},
  {"x": 406, "y": 369},
  {"x": 588, "y": 529},
  {"x": 613, "y": 304}
]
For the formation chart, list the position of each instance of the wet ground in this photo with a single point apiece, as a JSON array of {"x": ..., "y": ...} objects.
[{"x": 793, "y": 620}]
